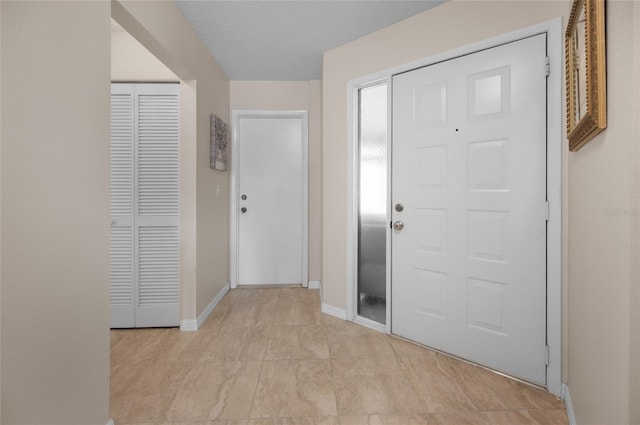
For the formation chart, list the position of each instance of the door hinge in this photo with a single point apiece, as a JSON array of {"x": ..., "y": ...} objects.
[
  {"x": 547, "y": 212},
  {"x": 546, "y": 355},
  {"x": 547, "y": 63}
]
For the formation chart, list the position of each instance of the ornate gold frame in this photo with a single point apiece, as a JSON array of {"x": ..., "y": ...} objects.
[{"x": 583, "y": 125}]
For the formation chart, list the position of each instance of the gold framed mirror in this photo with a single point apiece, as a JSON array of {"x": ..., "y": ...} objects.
[{"x": 585, "y": 67}]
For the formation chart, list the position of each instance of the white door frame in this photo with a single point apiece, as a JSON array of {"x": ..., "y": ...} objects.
[
  {"x": 236, "y": 115},
  {"x": 553, "y": 29}
]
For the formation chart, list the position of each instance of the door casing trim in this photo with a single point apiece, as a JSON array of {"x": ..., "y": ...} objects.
[
  {"x": 553, "y": 29},
  {"x": 233, "y": 183}
]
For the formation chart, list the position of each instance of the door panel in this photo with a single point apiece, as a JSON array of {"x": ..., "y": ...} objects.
[
  {"x": 122, "y": 202},
  {"x": 157, "y": 206},
  {"x": 469, "y": 164},
  {"x": 270, "y": 231}
]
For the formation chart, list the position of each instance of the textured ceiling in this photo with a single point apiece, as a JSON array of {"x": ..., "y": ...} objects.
[{"x": 284, "y": 40}]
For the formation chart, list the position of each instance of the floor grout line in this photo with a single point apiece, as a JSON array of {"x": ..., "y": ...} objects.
[{"x": 255, "y": 390}]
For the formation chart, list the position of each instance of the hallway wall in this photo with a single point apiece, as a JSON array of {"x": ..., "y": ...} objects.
[
  {"x": 131, "y": 62},
  {"x": 604, "y": 257},
  {"x": 204, "y": 217},
  {"x": 55, "y": 212}
]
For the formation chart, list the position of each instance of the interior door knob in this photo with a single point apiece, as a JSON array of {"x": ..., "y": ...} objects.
[{"x": 398, "y": 225}]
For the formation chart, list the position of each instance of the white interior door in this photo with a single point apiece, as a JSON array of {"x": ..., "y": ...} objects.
[
  {"x": 144, "y": 205},
  {"x": 469, "y": 166},
  {"x": 270, "y": 198}
]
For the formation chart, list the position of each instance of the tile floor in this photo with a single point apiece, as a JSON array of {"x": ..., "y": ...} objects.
[{"x": 270, "y": 357}]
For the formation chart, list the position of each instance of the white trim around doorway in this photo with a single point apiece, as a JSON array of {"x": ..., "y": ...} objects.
[
  {"x": 233, "y": 201},
  {"x": 553, "y": 29}
]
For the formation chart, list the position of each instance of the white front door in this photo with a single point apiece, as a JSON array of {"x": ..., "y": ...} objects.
[
  {"x": 469, "y": 168},
  {"x": 270, "y": 198}
]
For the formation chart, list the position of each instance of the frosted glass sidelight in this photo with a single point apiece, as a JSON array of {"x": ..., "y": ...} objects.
[{"x": 372, "y": 203}]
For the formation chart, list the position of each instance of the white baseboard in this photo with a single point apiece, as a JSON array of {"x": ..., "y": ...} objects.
[
  {"x": 194, "y": 325},
  {"x": 188, "y": 325},
  {"x": 212, "y": 305},
  {"x": 334, "y": 311},
  {"x": 110, "y": 422},
  {"x": 566, "y": 396},
  {"x": 314, "y": 284},
  {"x": 363, "y": 321}
]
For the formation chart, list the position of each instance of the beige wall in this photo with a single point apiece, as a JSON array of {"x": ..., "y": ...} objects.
[
  {"x": 55, "y": 212},
  {"x": 0, "y": 214},
  {"x": 131, "y": 62},
  {"x": 301, "y": 95},
  {"x": 268, "y": 95},
  {"x": 634, "y": 298},
  {"x": 161, "y": 28},
  {"x": 603, "y": 242}
]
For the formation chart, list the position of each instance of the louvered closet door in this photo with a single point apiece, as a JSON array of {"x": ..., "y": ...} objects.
[{"x": 145, "y": 248}]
